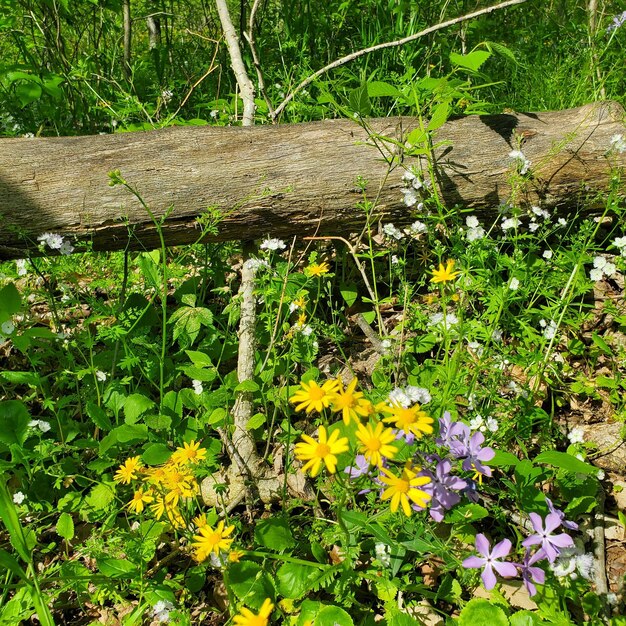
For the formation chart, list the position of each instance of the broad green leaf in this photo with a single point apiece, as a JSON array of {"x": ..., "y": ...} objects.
[
  {"x": 65, "y": 526},
  {"x": 100, "y": 497},
  {"x": 247, "y": 385},
  {"x": 156, "y": 454},
  {"x": 309, "y": 610},
  {"x": 566, "y": 462},
  {"x": 349, "y": 293},
  {"x": 27, "y": 92},
  {"x": 466, "y": 513},
  {"x": 10, "y": 302},
  {"x": 32, "y": 379},
  {"x": 274, "y": 533},
  {"x": 199, "y": 359},
  {"x": 117, "y": 568},
  {"x": 293, "y": 579},
  {"x": 503, "y": 459},
  {"x": 217, "y": 416},
  {"x": 471, "y": 61},
  {"x": 360, "y": 102},
  {"x": 250, "y": 584},
  {"x": 439, "y": 116},
  {"x": 257, "y": 420},
  {"x": 417, "y": 137},
  {"x": 98, "y": 416},
  {"x": 333, "y": 616},
  {"x": 14, "y": 420},
  {"x": 377, "y": 88},
  {"x": 130, "y": 432},
  {"x": 479, "y": 612},
  {"x": 401, "y": 619},
  {"x": 158, "y": 422},
  {"x": 135, "y": 406},
  {"x": 525, "y": 618}
]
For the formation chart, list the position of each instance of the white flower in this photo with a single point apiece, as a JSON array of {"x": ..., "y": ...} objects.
[
  {"x": 584, "y": 565},
  {"x": 410, "y": 197},
  {"x": 448, "y": 320},
  {"x": 618, "y": 144},
  {"x": 392, "y": 232},
  {"x": 416, "y": 228},
  {"x": 549, "y": 328},
  {"x": 214, "y": 113},
  {"x": 476, "y": 347},
  {"x": 293, "y": 307},
  {"x": 561, "y": 222},
  {"x": 307, "y": 330},
  {"x": 596, "y": 274},
  {"x": 52, "y": 240},
  {"x": 42, "y": 425},
  {"x": 166, "y": 95},
  {"x": 18, "y": 497},
  {"x": 66, "y": 248},
  {"x": 492, "y": 424},
  {"x": 382, "y": 554},
  {"x": 474, "y": 234},
  {"x": 255, "y": 264},
  {"x": 394, "y": 259},
  {"x": 533, "y": 226},
  {"x": 576, "y": 435},
  {"x": 197, "y": 386},
  {"x": 609, "y": 269},
  {"x": 619, "y": 242},
  {"x": 408, "y": 177},
  {"x": 161, "y": 610},
  {"x": 273, "y": 244},
  {"x": 496, "y": 335},
  {"x": 20, "y": 265},
  {"x": 540, "y": 212},
  {"x": 101, "y": 376},
  {"x": 476, "y": 423},
  {"x": 418, "y": 394},
  {"x": 599, "y": 262},
  {"x": 514, "y": 284},
  {"x": 600, "y": 475},
  {"x": 602, "y": 267},
  {"x": 398, "y": 396},
  {"x": 522, "y": 163},
  {"x": 547, "y": 254},
  {"x": 472, "y": 221},
  {"x": 510, "y": 222},
  {"x": 8, "y": 327},
  {"x": 386, "y": 344}
]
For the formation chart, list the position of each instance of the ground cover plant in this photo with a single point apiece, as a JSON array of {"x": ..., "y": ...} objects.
[{"x": 422, "y": 402}]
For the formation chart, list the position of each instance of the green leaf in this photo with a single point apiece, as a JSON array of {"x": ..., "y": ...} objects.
[
  {"x": 217, "y": 416},
  {"x": 11, "y": 520},
  {"x": 566, "y": 462},
  {"x": 9, "y": 562},
  {"x": 199, "y": 359},
  {"x": 479, "y": 612},
  {"x": 156, "y": 454},
  {"x": 467, "y": 513},
  {"x": 98, "y": 416},
  {"x": 401, "y": 619},
  {"x": 309, "y": 610},
  {"x": 249, "y": 583},
  {"x": 417, "y": 137},
  {"x": 603, "y": 345},
  {"x": 360, "y": 102},
  {"x": 135, "y": 406},
  {"x": 117, "y": 568},
  {"x": 158, "y": 422},
  {"x": 293, "y": 579},
  {"x": 257, "y": 420},
  {"x": 525, "y": 618},
  {"x": 27, "y": 92},
  {"x": 503, "y": 459},
  {"x": 377, "y": 89},
  {"x": 274, "y": 533},
  {"x": 130, "y": 432},
  {"x": 32, "y": 379},
  {"x": 14, "y": 420},
  {"x": 349, "y": 293},
  {"x": 65, "y": 526},
  {"x": 471, "y": 61},
  {"x": 100, "y": 497},
  {"x": 247, "y": 385},
  {"x": 439, "y": 116},
  {"x": 333, "y": 616}
]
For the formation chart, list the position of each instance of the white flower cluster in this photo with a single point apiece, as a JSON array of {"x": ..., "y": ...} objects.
[
  {"x": 520, "y": 161},
  {"x": 55, "y": 241},
  {"x": 549, "y": 328},
  {"x": 166, "y": 96},
  {"x": 255, "y": 264},
  {"x": 409, "y": 395},
  {"x": 18, "y": 497},
  {"x": 576, "y": 435},
  {"x": 414, "y": 184},
  {"x": 601, "y": 268},
  {"x": 618, "y": 144},
  {"x": 41, "y": 425},
  {"x": 382, "y": 554},
  {"x": 510, "y": 222},
  {"x": 161, "y": 611},
  {"x": 273, "y": 244},
  {"x": 197, "y": 386},
  {"x": 620, "y": 244},
  {"x": 573, "y": 562},
  {"x": 480, "y": 423},
  {"x": 101, "y": 376},
  {"x": 416, "y": 229},
  {"x": 537, "y": 212},
  {"x": 443, "y": 321},
  {"x": 20, "y": 266},
  {"x": 514, "y": 284},
  {"x": 474, "y": 230},
  {"x": 392, "y": 232}
]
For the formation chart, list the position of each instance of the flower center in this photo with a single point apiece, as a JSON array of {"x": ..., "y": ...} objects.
[
  {"x": 316, "y": 393},
  {"x": 322, "y": 450},
  {"x": 374, "y": 445},
  {"x": 214, "y": 538},
  {"x": 403, "y": 486}
]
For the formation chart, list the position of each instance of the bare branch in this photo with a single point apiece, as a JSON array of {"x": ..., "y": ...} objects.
[{"x": 391, "y": 44}]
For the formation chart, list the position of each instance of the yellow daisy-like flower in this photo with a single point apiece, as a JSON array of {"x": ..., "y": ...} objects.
[
  {"x": 128, "y": 470},
  {"x": 409, "y": 419},
  {"x": 376, "y": 443},
  {"x": 312, "y": 397},
  {"x": 179, "y": 484},
  {"x": 404, "y": 488},
  {"x": 234, "y": 556},
  {"x": 350, "y": 403},
  {"x": 190, "y": 453},
  {"x": 317, "y": 269},
  {"x": 158, "y": 508},
  {"x": 326, "y": 450},
  {"x": 247, "y": 618},
  {"x": 299, "y": 303},
  {"x": 140, "y": 498},
  {"x": 444, "y": 274},
  {"x": 200, "y": 521},
  {"x": 301, "y": 319},
  {"x": 210, "y": 540},
  {"x": 156, "y": 475}
]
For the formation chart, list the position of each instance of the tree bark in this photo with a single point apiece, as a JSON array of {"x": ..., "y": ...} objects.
[{"x": 293, "y": 179}]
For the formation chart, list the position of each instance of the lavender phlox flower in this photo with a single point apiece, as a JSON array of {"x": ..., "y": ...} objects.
[
  {"x": 475, "y": 455},
  {"x": 360, "y": 468},
  {"x": 543, "y": 536},
  {"x": 618, "y": 21},
  {"x": 407, "y": 436},
  {"x": 564, "y": 522},
  {"x": 452, "y": 435},
  {"x": 490, "y": 560},
  {"x": 471, "y": 491},
  {"x": 443, "y": 487},
  {"x": 530, "y": 573}
]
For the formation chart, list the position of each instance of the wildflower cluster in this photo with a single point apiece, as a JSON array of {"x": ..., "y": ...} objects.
[{"x": 55, "y": 241}]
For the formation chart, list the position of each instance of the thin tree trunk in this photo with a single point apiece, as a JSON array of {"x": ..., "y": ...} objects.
[{"x": 127, "y": 38}]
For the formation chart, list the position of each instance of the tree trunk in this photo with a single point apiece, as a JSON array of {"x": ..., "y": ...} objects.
[
  {"x": 128, "y": 26},
  {"x": 292, "y": 179}
]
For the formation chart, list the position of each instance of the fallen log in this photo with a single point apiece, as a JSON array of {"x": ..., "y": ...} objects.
[{"x": 289, "y": 180}]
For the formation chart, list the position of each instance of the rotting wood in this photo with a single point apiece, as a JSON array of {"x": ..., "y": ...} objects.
[{"x": 287, "y": 180}]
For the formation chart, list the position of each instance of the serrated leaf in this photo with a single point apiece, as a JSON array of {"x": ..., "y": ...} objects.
[
  {"x": 249, "y": 583},
  {"x": 156, "y": 454},
  {"x": 274, "y": 533},
  {"x": 360, "y": 102},
  {"x": 130, "y": 432},
  {"x": 333, "y": 616},
  {"x": 32, "y": 379},
  {"x": 135, "y": 406},
  {"x": 158, "y": 422},
  {"x": 566, "y": 462},
  {"x": 65, "y": 526},
  {"x": 117, "y": 568},
  {"x": 98, "y": 416},
  {"x": 100, "y": 497},
  {"x": 439, "y": 116},
  {"x": 417, "y": 137},
  {"x": 479, "y": 612},
  {"x": 377, "y": 89},
  {"x": 293, "y": 579},
  {"x": 471, "y": 61}
]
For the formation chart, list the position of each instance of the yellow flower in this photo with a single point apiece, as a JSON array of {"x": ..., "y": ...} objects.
[
  {"x": 326, "y": 449},
  {"x": 404, "y": 488},
  {"x": 247, "y": 618},
  {"x": 139, "y": 498},
  {"x": 128, "y": 470},
  {"x": 156, "y": 475},
  {"x": 299, "y": 303},
  {"x": 158, "y": 508},
  {"x": 301, "y": 319},
  {"x": 317, "y": 269},
  {"x": 409, "y": 419},
  {"x": 351, "y": 403},
  {"x": 234, "y": 556},
  {"x": 312, "y": 397},
  {"x": 200, "y": 521},
  {"x": 210, "y": 540},
  {"x": 179, "y": 484},
  {"x": 444, "y": 274},
  {"x": 376, "y": 443},
  {"x": 190, "y": 453}
]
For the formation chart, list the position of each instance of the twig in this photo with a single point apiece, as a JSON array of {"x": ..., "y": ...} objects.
[{"x": 390, "y": 44}]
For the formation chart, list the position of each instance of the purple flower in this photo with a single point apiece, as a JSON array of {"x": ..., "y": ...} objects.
[
  {"x": 443, "y": 486},
  {"x": 618, "y": 21},
  {"x": 489, "y": 560},
  {"x": 531, "y": 574},
  {"x": 361, "y": 467},
  {"x": 475, "y": 455},
  {"x": 543, "y": 536},
  {"x": 452, "y": 435},
  {"x": 564, "y": 522}
]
